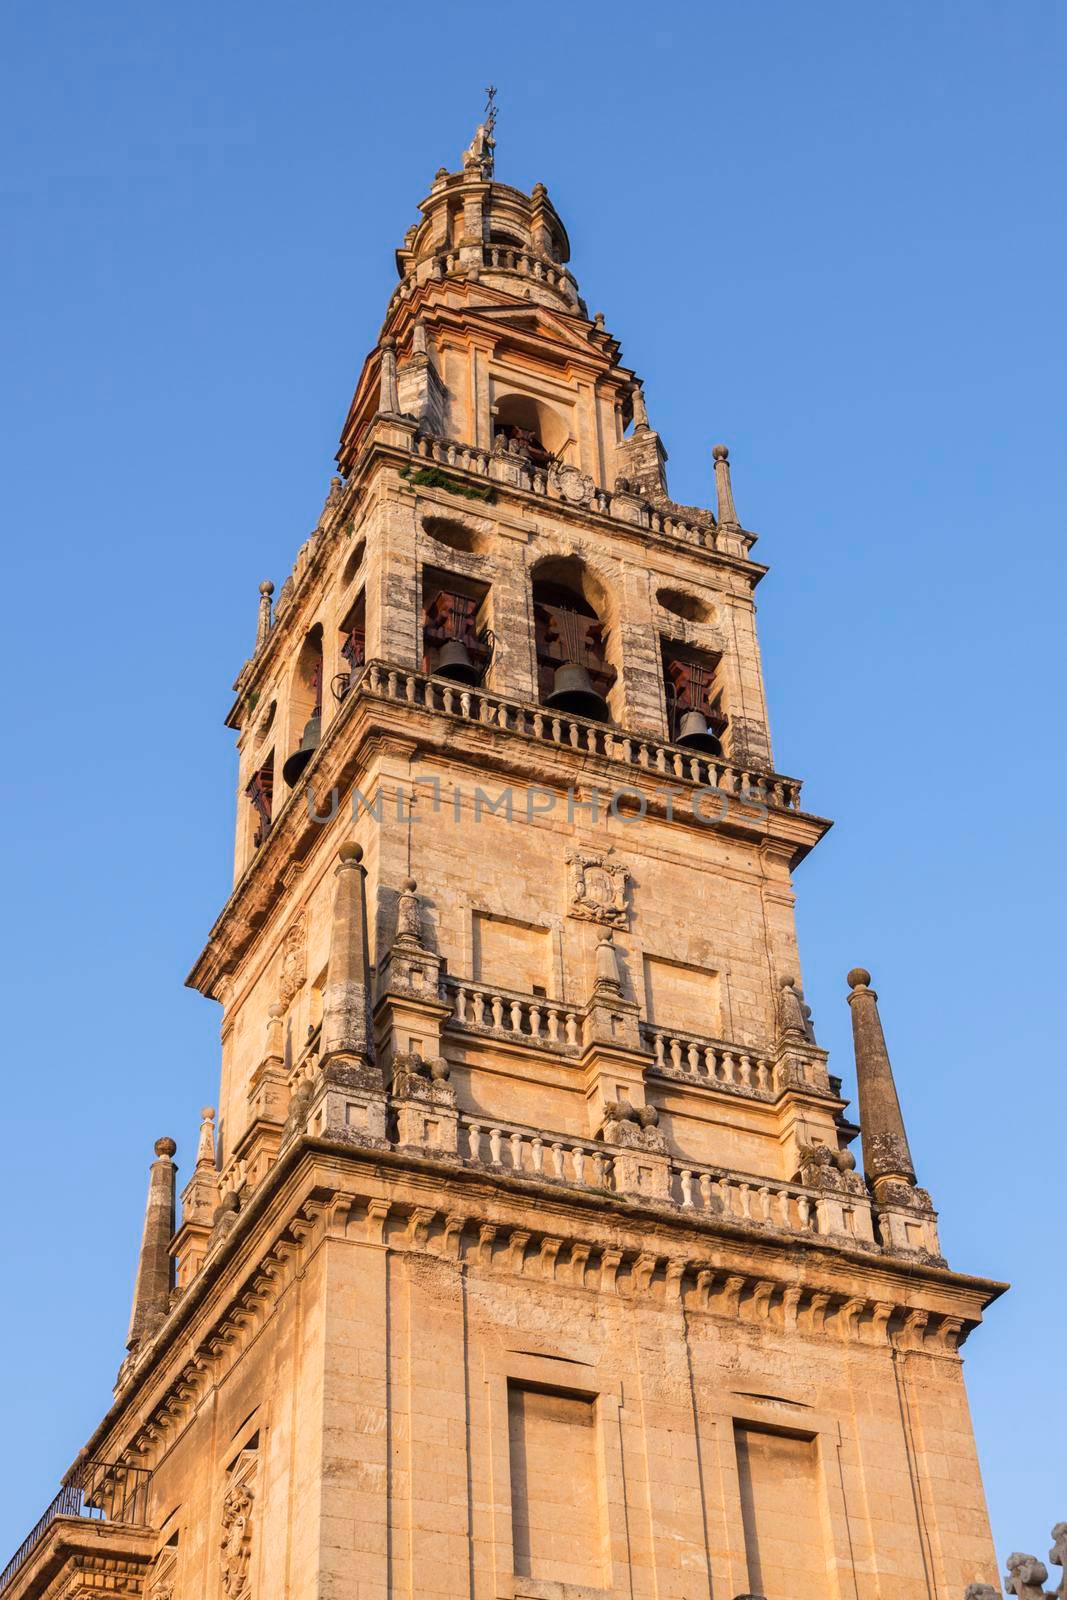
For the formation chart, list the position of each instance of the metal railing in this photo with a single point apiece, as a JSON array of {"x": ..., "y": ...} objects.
[{"x": 102, "y": 1491}]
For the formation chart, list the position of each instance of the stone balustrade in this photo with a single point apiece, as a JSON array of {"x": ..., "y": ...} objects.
[
  {"x": 726, "y": 1196},
  {"x": 792, "y": 1207},
  {"x": 462, "y": 457},
  {"x": 528, "y": 1019},
  {"x": 628, "y": 751},
  {"x": 710, "y": 1061},
  {"x": 744, "y": 1199},
  {"x": 531, "y": 1154},
  {"x": 492, "y": 257}
]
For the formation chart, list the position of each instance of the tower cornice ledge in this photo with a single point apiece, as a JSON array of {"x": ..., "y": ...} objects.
[{"x": 323, "y": 1189}]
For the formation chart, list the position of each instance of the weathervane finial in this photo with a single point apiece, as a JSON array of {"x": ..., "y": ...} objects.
[
  {"x": 478, "y": 156},
  {"x": 489, "y": 163}
]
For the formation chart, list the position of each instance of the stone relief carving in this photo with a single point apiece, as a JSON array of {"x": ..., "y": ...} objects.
[
  {"x": 824, "y": 1168},
  {"x": 599, "y": 889},
  {"x": 1058, "y": 1556},
  {"x": 794, "y": 1013},
  {"x": 1025, "y": 1577},
  {"x": 294, "y": 960},
  {"x": 237, "y": 1516},
  {"x": 162, "y": 1575},
  {"x": 573, "y": 485}
]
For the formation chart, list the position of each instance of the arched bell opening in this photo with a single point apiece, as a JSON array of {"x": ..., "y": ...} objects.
[
  {"x": 696, "y": 714},
  {"x": 529, "y": 428},
  {"x": 260, "y": 794},
  {"x": 305, "y": 707},
  {"x": 574, "y": 672},
  {"x": 457, "y": 641},
  {"x": 351, "y": 648}
]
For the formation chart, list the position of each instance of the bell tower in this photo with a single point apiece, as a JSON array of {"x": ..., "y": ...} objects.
[{"x": 526, "y": 1255}]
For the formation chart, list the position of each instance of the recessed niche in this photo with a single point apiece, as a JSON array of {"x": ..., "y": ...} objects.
[
  {"x": 353, "y": 564},
  {"x": 689, "y": 606},
  {"x": 454, "y": 535}
]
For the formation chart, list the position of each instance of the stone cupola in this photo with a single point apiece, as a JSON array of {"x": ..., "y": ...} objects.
[{"x": 477, "y": 228}]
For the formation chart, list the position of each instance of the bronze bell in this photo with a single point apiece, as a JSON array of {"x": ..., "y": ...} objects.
[
  {"x": 305, "y": 750},
  {"x": 572, "y": 690},
  {"x": 694, "y": 734},
  {"x": 454, "y": 661}
]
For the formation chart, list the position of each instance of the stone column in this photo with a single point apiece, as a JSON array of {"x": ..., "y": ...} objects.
[
  {"x": 266, "y": 589},
  {"x": 155, "y": 1267},
  {"x": 886, "y": 1157},
  {"x": 388, "y": 400}
]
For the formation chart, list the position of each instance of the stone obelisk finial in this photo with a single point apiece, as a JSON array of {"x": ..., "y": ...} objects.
[
  {"x": 388, "y": 399},
  {"x": 346, "y": 1003},
  {"x": 724, "y": 494},
  {"x": 639, "y": 408},
  {"x": 266, "y": 589},
  {"x": 155, "y": 1267},
  {"x": 607, "y": 964},
  {"x": 886, "y": 1157},
  {"x": 205, "y": 1145}
]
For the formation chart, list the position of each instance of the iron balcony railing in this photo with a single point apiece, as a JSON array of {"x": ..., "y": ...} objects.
[{"x": 104, "y": 1491}]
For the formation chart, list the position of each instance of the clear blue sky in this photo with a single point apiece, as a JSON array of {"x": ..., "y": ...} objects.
[{"x": 828, "y": 234}]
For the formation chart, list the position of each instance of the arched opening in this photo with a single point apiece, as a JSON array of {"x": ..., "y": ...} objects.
[
  {"x": 305, "y": 707},
  {"x": 457, "y": 641},
  {"x": 352, "y": 647},
  {"x": 353, "y": 564},
  {"x": 527, "y": 427},
  {"x": 260, "y": 792},
  {"x": 689, "y": 606},
  {"x": 456, "y": 535},
  {"x": 571, "y": 629},
  {"x": 696, "y": 713}
]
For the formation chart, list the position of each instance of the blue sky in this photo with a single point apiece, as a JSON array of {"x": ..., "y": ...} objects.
[{"x": 831, "y": 235}]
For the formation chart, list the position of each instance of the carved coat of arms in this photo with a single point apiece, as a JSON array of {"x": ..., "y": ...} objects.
[
  {"x": 294, "y": 961},
  {"x": 599, "y": 889}
]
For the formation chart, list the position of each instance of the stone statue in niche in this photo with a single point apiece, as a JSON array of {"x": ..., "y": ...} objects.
[
  {"x": 294, "y": 961},
  {"x": 598, "y": 890}
]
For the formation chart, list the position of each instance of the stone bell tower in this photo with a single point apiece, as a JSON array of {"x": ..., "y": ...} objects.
[{"x": 526, "y": 1257}]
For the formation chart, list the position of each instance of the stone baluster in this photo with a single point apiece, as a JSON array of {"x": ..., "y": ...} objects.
[
  {"x": 515, "y": 1141},
  {"x": 558, "y": 1169},
  {"x": 496, "y": 1146},
  {"x": 686, "y": 1178}
]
